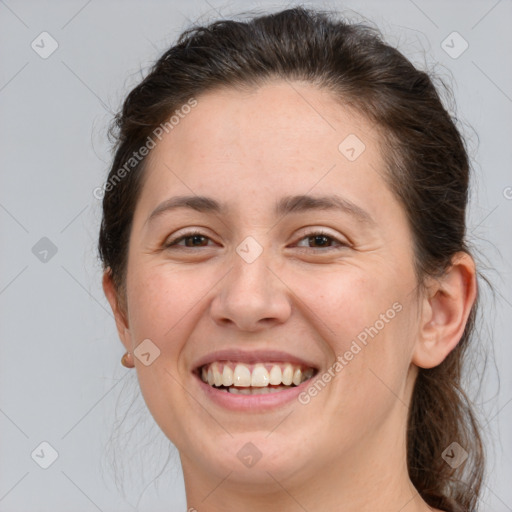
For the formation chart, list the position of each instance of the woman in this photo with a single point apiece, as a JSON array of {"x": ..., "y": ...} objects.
[{"x": 283, "y": 239}]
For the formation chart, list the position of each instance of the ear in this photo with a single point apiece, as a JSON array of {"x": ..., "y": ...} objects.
[
  {"x": 445, "y": 311},
  {"x": 119, "y": 310}
]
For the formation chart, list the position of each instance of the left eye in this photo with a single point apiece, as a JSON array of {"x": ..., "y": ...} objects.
[
  {"x": 322, "y": 238},
  {"x": 195, "y": 239}
]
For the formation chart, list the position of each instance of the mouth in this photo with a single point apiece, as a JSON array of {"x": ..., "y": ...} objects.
[{"x": 260, "y": 378}]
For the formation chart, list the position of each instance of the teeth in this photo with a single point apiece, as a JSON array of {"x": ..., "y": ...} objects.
[
  {"x": 242, "y": 376},
  {"x": 227, "y": 376},
  {"x": 263, "y": 376},
  {"x": 217, "y": 377},
  {"x": 211, "y": 380},
  {"x": 260, "y": 377},
  {"x": 255, "y": 391},
  {"x": 275, "y": 375},
  {"x": 287, "y": 375}
]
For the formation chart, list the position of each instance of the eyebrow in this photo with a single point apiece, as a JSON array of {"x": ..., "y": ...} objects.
[{"x": 285, "y": 206}]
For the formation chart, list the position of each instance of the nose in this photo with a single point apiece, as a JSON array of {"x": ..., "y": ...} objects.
[{"x": 251, "y": 296}]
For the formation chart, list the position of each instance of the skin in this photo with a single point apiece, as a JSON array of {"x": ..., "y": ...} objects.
[{"x": 345, "y": 449}]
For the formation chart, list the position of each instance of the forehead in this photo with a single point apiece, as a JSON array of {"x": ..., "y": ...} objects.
[
  {"x": 252, "y": 150},
  {"x": 279, "y": 117},
  {"x": 275, "y": 134}
]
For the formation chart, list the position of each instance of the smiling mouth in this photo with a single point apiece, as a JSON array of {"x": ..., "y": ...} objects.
[{"x": 254, "y": 379}]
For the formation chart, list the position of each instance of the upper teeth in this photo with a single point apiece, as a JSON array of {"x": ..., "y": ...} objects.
[{"x": 258, "y": 375}]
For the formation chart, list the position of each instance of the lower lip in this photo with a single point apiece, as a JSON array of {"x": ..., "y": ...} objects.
[{"x": 267, "y": 401}]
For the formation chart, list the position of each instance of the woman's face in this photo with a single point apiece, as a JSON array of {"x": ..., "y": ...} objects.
[{"x": 304, "y": 258}]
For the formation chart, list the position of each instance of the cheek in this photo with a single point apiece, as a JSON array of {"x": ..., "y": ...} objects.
[
  {"x": 347, "y": 302},
  {"x": 364, "y": 318},
  {"x": 163, "y": 307},
  {"x": 162, "y": 300}
]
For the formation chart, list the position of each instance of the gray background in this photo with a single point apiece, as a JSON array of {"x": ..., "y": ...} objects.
[{"x": 60, "y": 376}]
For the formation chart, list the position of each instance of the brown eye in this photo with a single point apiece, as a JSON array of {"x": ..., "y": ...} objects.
[
  {"x": 322, "y": 240},
  {"x": 193, "y": 239}
]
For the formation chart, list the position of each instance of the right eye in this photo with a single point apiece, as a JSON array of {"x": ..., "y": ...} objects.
[{"x": 194, "y": 236}]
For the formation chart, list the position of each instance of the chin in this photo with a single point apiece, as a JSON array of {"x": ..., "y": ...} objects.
[{"x": 251, "y": 456}]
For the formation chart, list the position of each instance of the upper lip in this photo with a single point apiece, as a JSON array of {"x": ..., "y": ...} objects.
[{"x": 253, "y": 356}]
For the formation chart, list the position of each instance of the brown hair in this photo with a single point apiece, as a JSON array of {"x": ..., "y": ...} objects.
[{"x": 427, "y": 168}]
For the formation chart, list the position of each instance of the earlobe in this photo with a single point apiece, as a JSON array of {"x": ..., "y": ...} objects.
[
  {"x": 119, "y": 312},
  {"x": 445, "y": 312}
]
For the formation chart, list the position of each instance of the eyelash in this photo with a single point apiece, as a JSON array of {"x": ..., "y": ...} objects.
[{"x": 312, "y": 234}]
